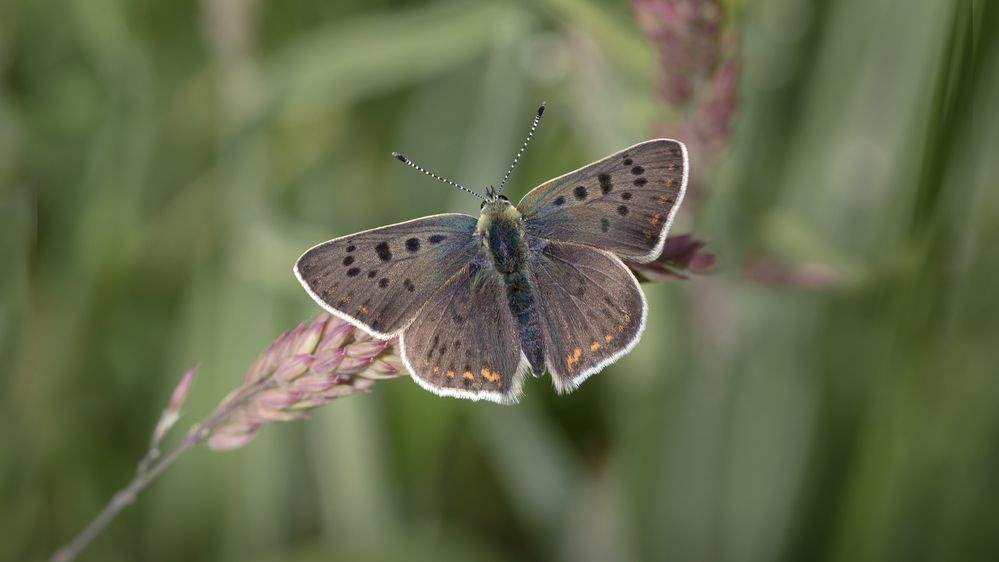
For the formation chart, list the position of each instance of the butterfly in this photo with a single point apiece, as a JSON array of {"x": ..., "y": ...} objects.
[{"x": 478, "y": 302}]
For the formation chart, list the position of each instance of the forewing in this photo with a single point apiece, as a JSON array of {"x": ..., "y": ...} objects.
[
  {"x": 591, "y": 310},
  {"x": 624, "y": 203},
  {"x": 464, "y": 342},
  {"x": 379, "y": 279}
]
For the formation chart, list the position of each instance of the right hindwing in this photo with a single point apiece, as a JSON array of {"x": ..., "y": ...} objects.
[
  {"x": 379, "y": 279},
  {"x": 590, "y": 309}
]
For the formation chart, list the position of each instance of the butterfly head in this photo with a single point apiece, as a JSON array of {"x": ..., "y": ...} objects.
[{"x": 496, "y": 208}]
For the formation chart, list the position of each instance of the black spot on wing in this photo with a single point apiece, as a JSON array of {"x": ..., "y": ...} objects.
[
  {"x": 383, "y": 251},
  {"x": 372, "y": 273},
  {"x": 353, "y": 272},
  {"x": 348, "y": 260},
  {"x": 638, "y": 170},
  {"x": 580, "y": 192},
  {"x": 413, "y": 245},
  {"x": 640, "y": 182},
  {"x": 604, "y": 225},
  {"x": 559, "y": 201},
  {"x": 622, "y": 210},
  {"x": 605, "y": 183},
  {"x": 626, "y": 195},
  {"x": 351, "y": 248},
  {"x": 437, "y": 238},
  {"x": 383, "y": 282},
  {"x": 409, "y": 285}
]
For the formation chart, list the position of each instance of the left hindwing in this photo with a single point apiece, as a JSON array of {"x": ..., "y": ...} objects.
[
  {"x": 623, "y": 203},
  {"x": 464, "y": 341}
]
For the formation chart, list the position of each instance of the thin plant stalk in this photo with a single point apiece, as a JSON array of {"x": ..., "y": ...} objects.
[{"x": 303, "y": 369}]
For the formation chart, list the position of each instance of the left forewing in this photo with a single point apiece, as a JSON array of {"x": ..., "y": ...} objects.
[{"x": 379, "y": 279}]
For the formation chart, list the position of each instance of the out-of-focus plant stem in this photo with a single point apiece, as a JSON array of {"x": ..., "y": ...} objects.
[
  {"x": 148, "y": 469},
  {"x": 304, "y": 369}
]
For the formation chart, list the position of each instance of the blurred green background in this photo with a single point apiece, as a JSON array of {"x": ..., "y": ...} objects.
[{"x": 828, "y": 392}]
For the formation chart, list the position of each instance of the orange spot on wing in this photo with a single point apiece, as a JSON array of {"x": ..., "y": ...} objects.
[
  {"x": 608, "y": 338},
  {"x": 343, "y": 300},
  {"x": 655, "y": 219},
  {"x": 450, "y": 374},
  {"x": 491, "y": 376},
  {"x": 468, "y": 375},
  {"x": 571, "y": 360},
  {"x": 662, "y": 198},
  {"x": 362, "y": 310},
  {"x": 437, "y": 370},
  {"x": 669, "y": 183},
  {"x": 594, "y": 346}
]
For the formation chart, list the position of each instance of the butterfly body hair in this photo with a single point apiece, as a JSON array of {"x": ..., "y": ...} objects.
[{"x": 500, "y": 230}]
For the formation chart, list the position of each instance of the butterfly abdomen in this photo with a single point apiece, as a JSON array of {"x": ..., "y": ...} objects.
[
  {"x": 520, "y": 296},
  {"x": 508, "y": 250}
]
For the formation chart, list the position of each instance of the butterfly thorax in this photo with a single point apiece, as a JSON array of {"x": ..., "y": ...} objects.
[{"x": 501, "y": 232}]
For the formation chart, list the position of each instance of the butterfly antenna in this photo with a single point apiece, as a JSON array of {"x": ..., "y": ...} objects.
[
  {"x": 402, "y": 158},
  {"x": 537, "y": 119}
]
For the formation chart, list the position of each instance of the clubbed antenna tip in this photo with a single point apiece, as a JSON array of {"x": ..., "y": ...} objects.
[
  {"x": 400, "y": 157},
  {"x": 534, "y": 125}
]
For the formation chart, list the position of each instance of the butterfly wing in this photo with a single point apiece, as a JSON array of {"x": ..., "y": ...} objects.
[
  {"x": 379, "y": 279},
  {"x": 623, "y": 203},
  {"x": 464, "y": 342},
  {"x": 590, "y": 309}
]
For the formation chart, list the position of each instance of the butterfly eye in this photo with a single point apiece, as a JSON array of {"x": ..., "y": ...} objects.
[{"x": 503, "y": 197}]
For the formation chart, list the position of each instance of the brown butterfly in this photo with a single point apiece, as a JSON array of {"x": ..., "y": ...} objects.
[{"x": 477, "y": 302}]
